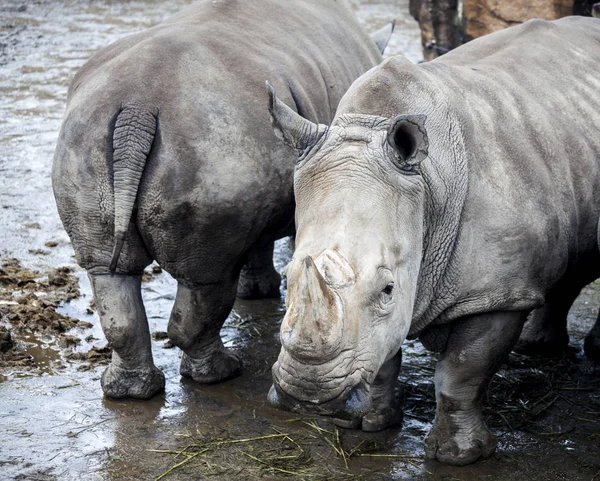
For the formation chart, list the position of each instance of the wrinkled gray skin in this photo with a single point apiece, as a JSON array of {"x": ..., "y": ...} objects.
[
  {"x": 446, "y": 201},
  {"x": 165, "y": 153}
]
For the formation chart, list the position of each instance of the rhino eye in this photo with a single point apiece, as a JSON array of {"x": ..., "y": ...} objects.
[{"x": 388, "y": 289}]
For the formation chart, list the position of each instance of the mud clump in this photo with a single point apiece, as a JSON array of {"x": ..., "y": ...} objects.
[
  {"x": 95, "y": 356},
  {"x": 6, "y": 342},
  {"x": 13, "y": 276},
  {"x": 159, "y": 335},
  {"x": 16, "y": 360},
  {"x": 28, "y": 302},
  {"x": 148, "y": 275},
  {"x": 32, "y": 314}
]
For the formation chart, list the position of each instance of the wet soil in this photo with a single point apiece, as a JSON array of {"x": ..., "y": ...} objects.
[{"x": 55, "y": 424}]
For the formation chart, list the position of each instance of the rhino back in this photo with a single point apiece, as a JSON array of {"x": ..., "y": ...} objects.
[
  {"x": 216, "y": 174},
  {"x": 532, "y": 143}
]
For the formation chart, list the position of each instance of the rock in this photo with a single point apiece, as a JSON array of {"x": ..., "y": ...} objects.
[
  {"x": 446, "y": 24},
  {"x": 486, "y": 16}
]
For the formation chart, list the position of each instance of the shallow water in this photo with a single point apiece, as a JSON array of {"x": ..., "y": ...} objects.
[{"x": 56, "y": 425}]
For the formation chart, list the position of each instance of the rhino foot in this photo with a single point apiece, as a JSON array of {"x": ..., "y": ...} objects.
[
  {"x": 377, "y": 420},
  {"x": 220, "y": 366},
  {"x": 118, "y": 382},
  {"x": 459, "y": 446},
  {"x": 381, "y": 419}
]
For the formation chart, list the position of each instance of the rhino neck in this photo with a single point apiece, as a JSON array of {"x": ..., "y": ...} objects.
[{"x": 445, "y": 176}]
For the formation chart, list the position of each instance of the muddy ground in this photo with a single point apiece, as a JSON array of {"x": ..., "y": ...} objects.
[{"x": 54, "y": 423}]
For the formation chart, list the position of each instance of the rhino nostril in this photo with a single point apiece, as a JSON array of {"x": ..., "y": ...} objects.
[
  {"x": 359, "y": 402},
  {"x": 286, "y": 335},
  {"x": 273, "y": 397}
]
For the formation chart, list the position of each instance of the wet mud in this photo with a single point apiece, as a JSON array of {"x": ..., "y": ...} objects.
[{"x": 54, "y": 421}]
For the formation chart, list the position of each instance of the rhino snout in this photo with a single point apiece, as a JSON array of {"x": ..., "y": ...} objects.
[{"x": 347, "y": 409}]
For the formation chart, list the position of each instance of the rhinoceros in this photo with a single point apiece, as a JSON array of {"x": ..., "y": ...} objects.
[
  {"x": 446, "y": 201},
  {"x": 164, "y": 155}
]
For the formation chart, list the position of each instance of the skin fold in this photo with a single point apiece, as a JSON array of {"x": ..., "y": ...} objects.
[
  {"x": 446, "y": 201},
  {"x": 165, "y": 154}
]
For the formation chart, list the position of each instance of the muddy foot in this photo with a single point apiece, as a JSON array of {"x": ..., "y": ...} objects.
[
  {"x": 216, "y": 368},
  {"x": 463, "y": 446},
  {"x": 258, "y": 285},
  {"x": 376, "y": 420},
  {"x": 387, "y": 417},
  {"x": 120, "y": 383}
]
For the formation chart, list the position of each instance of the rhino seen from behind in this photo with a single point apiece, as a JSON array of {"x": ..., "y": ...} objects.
[{"x": 163, "y": 156}]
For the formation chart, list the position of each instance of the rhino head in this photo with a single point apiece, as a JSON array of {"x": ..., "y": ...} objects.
[{"x": 352, "y": 280}]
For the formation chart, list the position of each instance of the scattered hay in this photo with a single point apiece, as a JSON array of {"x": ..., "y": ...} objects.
[{"x": 306, "y": 453}]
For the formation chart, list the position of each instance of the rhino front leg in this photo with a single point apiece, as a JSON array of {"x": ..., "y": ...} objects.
[
  {"x": 131, "y": 372},
  {"x": 195, "y": 326},
  {"x": 386, "y": 411},
  {"x": 476, "y": 347},
  {"x": 258, "y": 278}
]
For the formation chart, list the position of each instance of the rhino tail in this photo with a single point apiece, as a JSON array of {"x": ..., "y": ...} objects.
[{"x": 133, "y": 135}]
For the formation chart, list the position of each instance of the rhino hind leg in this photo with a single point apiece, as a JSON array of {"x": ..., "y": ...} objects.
[
  {"x": 591, "y": 344},
  {"x": 476, "y": 347},
  {"x": 545, "y": 332},
  {"x": 195, "y": 325},
  {"x": 258, "y": 278},
  {"x": 131, "y": 372}
]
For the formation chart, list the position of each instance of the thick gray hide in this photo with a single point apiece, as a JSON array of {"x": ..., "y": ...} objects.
[
  {"x": 167, "y": 131},
  {"x": 458, "y": 247}
]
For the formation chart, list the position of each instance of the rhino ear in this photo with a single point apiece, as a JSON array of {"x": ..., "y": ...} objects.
[
  {"x": 408, "y": 137},
  {"x": 382, "y": 36},
  {"x": 292, "y": 128}
]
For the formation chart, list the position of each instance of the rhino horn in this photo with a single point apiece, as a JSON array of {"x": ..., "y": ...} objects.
[
  {"x": 316, "y": 290},
  {"x": 312, "y": 327},
  {"x": 289, "y": 126}
]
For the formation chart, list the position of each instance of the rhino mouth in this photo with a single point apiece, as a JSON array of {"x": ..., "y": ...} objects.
[{"x": 344, "y": 397}]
